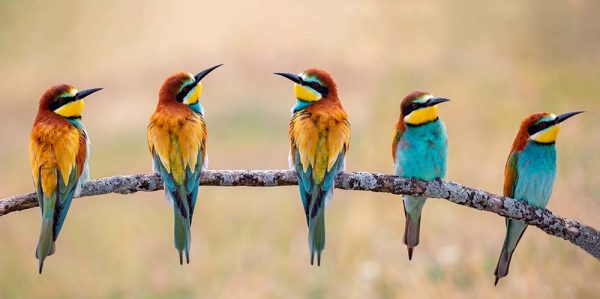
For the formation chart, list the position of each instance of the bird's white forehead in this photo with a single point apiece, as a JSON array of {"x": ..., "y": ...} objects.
[
  {"x": 308, "y": 78},
  {"x": 424, "y": 98},
  {"x": 71, "y": 92},
  {"x": 550, "y": 116}
]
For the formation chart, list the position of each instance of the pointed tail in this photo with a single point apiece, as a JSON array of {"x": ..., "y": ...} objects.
[
  {"x": 182, "y": 235},
  {"x": 411, "y": 234},
  {"x": 503, "y": 263},
  {"x": 45, "y": 245},
  {"x": 316, "y": 236},
  {"x": 514, "y": 232},
  {"x": 412, "y": 211}
]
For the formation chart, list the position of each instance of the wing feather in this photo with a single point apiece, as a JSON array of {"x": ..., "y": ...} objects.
[
  {"x": 65, "y": 192},
  {"x": 178, "y": 146},
  {"x": 318, "y": 147},
  {"x": 511, "y": 174},
  {"x": 178, "y": 142},
  {"x": 58, "y": 156},
  {"x": 319, "y": 141}
]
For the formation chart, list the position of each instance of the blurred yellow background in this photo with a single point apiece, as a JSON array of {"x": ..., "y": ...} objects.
[{"x": 498, "y": 61}]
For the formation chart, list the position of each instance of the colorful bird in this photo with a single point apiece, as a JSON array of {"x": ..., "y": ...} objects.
[
  {"x": 58, "y": 152},
  {"x": 529, "y": 174},
  {"x": 320, "y": 136},
  {"x": 177, "y": 141},
  {"x": 420, "y": 150}
]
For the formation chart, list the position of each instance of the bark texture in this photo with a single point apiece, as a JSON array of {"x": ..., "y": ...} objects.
[{"x": 579, "y": 234}]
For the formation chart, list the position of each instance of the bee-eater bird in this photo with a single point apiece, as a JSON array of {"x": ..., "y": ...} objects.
[
  {"x": 320, "y": 136},
  {"x": 177, "y": 141},
  {"x": 58, "y": 152},
  {"x": 529, "y": 174},
  {"x": 420, "y": 150}
]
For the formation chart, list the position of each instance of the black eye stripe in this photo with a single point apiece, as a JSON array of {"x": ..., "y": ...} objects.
[
  {"x": 539, "y": 127},
  {"x": 318, "y": 87},
  {"x": 412, "y": 107},
  {"x": 184, "y": 91},
  {"x": 60, "y": 101}
]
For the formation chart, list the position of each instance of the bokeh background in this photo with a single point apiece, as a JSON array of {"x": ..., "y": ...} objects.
[{"x": 498, "y": 61}]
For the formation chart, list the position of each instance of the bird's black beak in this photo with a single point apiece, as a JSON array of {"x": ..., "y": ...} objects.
[
  {"x": 295, "y": 78},
  {"x": 86, "y": 92},
  {"x": 566, "y": 116},
  {"x": 435, "y": 101},
  {"x": 205, "y": 72}
]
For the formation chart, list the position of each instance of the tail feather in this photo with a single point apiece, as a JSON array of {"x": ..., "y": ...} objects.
[
  {"x": 514, "y": 232},
  {"x": 182, "y": 235},
  {"x": 411, "y": 234},
  {"x": 46, "y": 245},
  {"x": 503, "y": 264},
  {"x": 413, "y": 207},
  {"x": 316, "y": 236}
]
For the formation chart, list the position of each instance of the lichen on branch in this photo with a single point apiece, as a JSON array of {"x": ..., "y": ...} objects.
[{"x": 581, "y": 235}]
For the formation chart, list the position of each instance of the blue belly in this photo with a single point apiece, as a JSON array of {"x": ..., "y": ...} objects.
[
  {"x": 536, "y": 171},
  {"x": 422, "y": 151}
]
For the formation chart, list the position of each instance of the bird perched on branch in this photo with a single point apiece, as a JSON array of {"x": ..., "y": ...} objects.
[
  {"x": 58, "y": 152},
  {"x": 177, "y": 141},
  {"x": 419, "y": 149},
  {"x": 529, "y": 174},
  {"x": 320, "y": 136}
]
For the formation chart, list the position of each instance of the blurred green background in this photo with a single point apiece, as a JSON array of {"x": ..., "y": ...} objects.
[{"x": 497, "y": 60}]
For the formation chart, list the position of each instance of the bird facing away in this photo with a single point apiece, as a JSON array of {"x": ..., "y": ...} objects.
[
  {"x": 58, "y": 153},
  {"x": 529, "y": 174},
  {"x": 177, "y": 141},
  {"x": 420, "y": 150},
  {"x": 320, "y": 136}
]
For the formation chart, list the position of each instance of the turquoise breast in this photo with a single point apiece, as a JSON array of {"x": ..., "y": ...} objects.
[
  {"x": 536, "y": 171},
  {"x": 422, "y": 151}
]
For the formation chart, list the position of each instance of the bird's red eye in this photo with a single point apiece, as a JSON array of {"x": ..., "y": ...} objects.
[
  {"x": 543, "y": 125},
  {"x": 415, "y": 105}
]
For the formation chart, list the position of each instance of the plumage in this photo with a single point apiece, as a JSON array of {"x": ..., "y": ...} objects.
[
  {"x": 419, "y": 150},
  {"x": 319, "y": 134},
  {"x": 58, "y": 154},
  {"x": 177, "y": 141},
  {"x": 177, "y": 135},
  {"x": 529, "y": 175}
]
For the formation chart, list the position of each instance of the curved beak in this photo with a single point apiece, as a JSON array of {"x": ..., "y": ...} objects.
[
  {"x": 435, "y": 101},
  {"x": 566, "y": 116},
  {"x": 86, "y": 92},
  {"x": 205, "y": 72},
  {"x": 294, "y": 78}
]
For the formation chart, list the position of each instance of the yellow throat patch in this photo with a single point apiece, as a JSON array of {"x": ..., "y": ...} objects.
[
  {"x": 306, "y": 94},
  {"x": 421, "y": 116},
  {"x": 194, "y": 95},
  {"x": 547, "y": 136},
  {"x": 72, "y": 109}
]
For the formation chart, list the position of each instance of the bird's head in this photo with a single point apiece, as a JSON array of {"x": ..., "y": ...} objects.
[
  {"x": 65, "y": 100},
  {"x": 312, "y": 85},
  {"x": 184, "y": 88},
  {"x": 420, "y": 107},
  {"x": 543, "y": 127}
]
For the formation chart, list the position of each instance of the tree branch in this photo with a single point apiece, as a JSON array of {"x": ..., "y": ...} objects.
[{"x": 581, "y": 235}]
